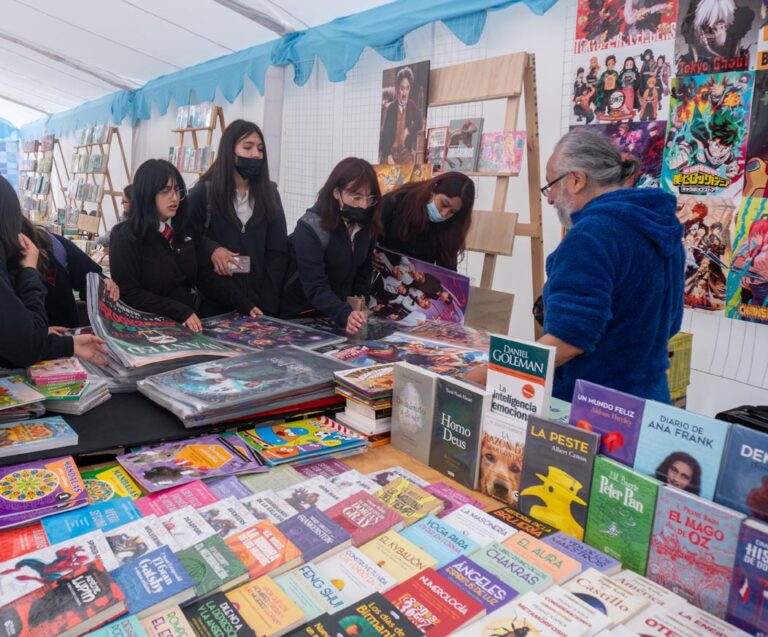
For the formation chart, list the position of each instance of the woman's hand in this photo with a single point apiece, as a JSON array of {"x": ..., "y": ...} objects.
[
  {"x": 255, "y": 312},
  {"x": 223, "y": 260},
  {"x": 113, "y": 292},
  {"x": 57, "y": 330},
  {"x": 29, "y": 252},
  {"x": 193, "y": 323},
  {"x": 90, "y": 348},
  {"x": 355, "y": 321}
]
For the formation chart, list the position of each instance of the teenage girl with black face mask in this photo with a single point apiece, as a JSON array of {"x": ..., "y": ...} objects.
[
  {"x": 239, "y": 211},
  {"x": 332, "y": 245}
]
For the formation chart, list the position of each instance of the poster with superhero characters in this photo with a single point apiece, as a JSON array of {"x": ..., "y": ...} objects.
[
  {"x": 625, "y": 85},
  {"x": 756, "y": 167},
  {"x": 747, "y": 286},
  {"x": 607, "y": 24},
  {"x": 707, "y": 241},
  {"x": 643, "y": 140},
  {"x": 716, "y": 36},
  {"x": 707, "y": 134}
]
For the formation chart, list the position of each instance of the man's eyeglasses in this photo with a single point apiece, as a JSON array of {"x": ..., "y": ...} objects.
[
  {"x": 545, "y": 189},
  {"x": 175, "y": 191},
  {"x": 359, "y": 200}
]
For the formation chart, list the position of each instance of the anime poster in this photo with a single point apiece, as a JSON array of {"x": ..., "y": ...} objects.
[
  {"x": 404, "y": 100},
  {"x": 643, "y": 140},
  {"x": 756, "y": 168},
  {"x": 748, "y": 277},
  {"x": 607, "y": 24},
  {"x": 707, "y": 241},
  {"x": 707, "y": 134},
  {"x": 716, "y": 36},
  {"x": 625, "y": 85}
]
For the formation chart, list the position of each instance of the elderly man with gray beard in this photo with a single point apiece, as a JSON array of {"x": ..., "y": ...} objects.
[{"x": 614, "y": 290}]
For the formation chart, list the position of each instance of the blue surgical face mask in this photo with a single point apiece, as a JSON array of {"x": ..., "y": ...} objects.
[{"x": 433, "y": 214}]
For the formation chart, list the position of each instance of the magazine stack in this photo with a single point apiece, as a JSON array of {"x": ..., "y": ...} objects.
[{"x": 368, "y": 391}]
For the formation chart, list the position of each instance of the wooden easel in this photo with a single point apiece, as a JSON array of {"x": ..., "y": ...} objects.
[{"x": 510, "y": 77}]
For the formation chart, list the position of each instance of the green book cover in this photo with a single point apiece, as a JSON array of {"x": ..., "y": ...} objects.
[
  {"x": 212, "y": 565},
  {"x": 622, "y": 506},
  {"x": 511, "y": 568}
]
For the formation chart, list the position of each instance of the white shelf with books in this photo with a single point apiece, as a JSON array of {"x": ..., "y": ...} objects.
[{"x": 190, "y": 120}]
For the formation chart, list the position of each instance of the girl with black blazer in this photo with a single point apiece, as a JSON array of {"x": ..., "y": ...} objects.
[
  {"x": 240, "y": 213},
  {"x": 332, "y": 246},
  {"x": 157, "y": 256},
  {"x": 24, "y": 334}
]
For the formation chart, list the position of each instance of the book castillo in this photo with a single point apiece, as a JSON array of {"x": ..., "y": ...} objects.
[
  {"x": 749, "y": 590},
  {"x": 413, "y": 404},
  {"x": 557, "y": 474},
  {"x": 743, "y": 481},
  {"x": 693, "y": 548},
  {"x": 455, "y": 448}
]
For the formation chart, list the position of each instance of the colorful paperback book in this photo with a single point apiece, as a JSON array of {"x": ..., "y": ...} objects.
[
  {"x": 187, "y": 527},
  {"x": 557, "y": 474},
  {"x": 747, "y": 599},
  {"x": 265, "y": 607},
  {"x": 212, "y": 565},
  {"x": 606, "y": 595},
  {"x": 584, "y": 615},
  {"x": 21, "y": 540},
  {"x": 216, "y": 616},
  {"x": 368, "y": 382},
  {"x": 315, "y": 534},
  {"x": 455, "y": 446},
  {"x": 130, "y": 541},
  {"x": 463, "y": 144},
  {"x": 559, "y": 565},
  {"x": 65, "y": 391},
  {"x": 516, "y": 571},
  {"x": 55, "y": 371},
  {"x": 354, "y": 574},
  {"x": 126, "y": 627},
  {"x": 681, "y": 448},
  {"x": 35, "y": 435},
  {"x": 372, "y": 616},
  {"x": 501, "y": 152},
  {"x": 652, "y": 591},
  {"x": 107, "y": 483},
  {"x": 439, "y": 539},
  {"x": 621, "y": 512},
  {"x": 352, "y": 482},
  {"x": 266, "y": 505},
  {"x": 452, "y": 498},
  {"x": 410, "y": 501},
  {"x": 413, "y": 404},
  {"x": 14, "y": 392},
  {"x": 743, "y": 481},
  {"x": 479, "y": 526},
  {"x": 168, "y": 465},
  {"x": 325, "y": 468},
  {"x": 103, "y": 516},
  {"x": 310, "y": 591},
  {"x": 522, "y": 522},
  {"x": 588, "y": 556},
  {"x": 706, "y": 622},
  {"x": 167, "y": 623},
  {"x": 228, "y": 487},
  {"x": 276, "y": 478},
  {"x": 194, "y": 494},
  {"x": 501, "y": 458},
  {"x": 227, "y": 516},
  {"x": 264, "y": 549},
  {"x": 616, "y": 416},
  {"x": 437, "y": 143},
  {"x": 486, "y": 587},
  {"x": 319, "y": 492},
  {"x": 434, "y": 604},
  {"x": 656, "y": 620},
  {"x": 385, "y": 476},
  {"x": 154, "y": 582},
  {"x": 364, "y": 517},
  {"x": 398, "y": 556}
]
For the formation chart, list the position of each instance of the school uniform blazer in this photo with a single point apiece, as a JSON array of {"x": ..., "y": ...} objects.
[
  {"x": 265, "y": 242},
  {"x": 60, "y": 301},
  {"x": 157, "y": 278}
]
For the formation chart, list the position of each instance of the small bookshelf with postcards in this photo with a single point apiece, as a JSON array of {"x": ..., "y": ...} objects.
[
  {"x": 39, "y": 164},
  {"x": 194, "y": 155}
]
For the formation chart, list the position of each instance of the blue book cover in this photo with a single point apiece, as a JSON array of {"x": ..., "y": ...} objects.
[
  {"x": 153, "y": 579},
  {"x": 518, "y": 572},
  {"x": 103, "y": 516},
  {"x": 314, "y": 534},
  {"x": 681, "y": 448},
  {"x": 749, "y": 591},
  {"x": 488, "y": 589},
  {"x": 125, "y": 627},
  {"x": 439, "y": 539},
  {"x": 310, "y": 591},
  {"x": 588, "y": 556},
  {"x": 228, "y": 487},
  {"x": 743, "y": 482}
]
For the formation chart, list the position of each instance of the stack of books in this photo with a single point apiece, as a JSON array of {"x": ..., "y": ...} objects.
[
  {"x": 368, "y": 392},
  {"x": 65, "y": 384}
]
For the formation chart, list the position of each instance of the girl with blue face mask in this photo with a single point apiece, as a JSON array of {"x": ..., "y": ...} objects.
[{"x": 430, "y": 220}]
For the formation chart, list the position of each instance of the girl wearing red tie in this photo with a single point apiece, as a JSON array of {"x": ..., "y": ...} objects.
[{"x": 157, "y": 256}]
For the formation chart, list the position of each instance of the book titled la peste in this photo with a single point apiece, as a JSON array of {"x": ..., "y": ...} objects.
[
  {"x": 409, "y": 500},
  {"x": 616, "y": 416},
  {"x": 439, "y": 539},
  {"x": 413, "y": 404},
  {"x": 455, "y": 447},
  {"x": 315, "y": 534},
  {"x": 743, "y": 481},
  {"x": 194, "y": 494},
  {"x": 35, "y": 435},
  {"x": 364, "y": 517},
  {"x": 746, "y": 602},
  {"x": 557, "y": 474},
  {"x": 486, "y": 587}
]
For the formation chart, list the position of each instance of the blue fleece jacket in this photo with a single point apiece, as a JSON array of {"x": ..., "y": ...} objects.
[{"x": 615, "y": 290}]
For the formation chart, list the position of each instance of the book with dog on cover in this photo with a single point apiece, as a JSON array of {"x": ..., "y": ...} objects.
[{"x": 501, "y": 458}]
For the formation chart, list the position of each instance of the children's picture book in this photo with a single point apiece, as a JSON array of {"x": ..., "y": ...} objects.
[
  {"x": 439, "y": 539},
  {"x": 455, "y": 447},
  {"x": 14, "y": 392},
  {"x": 364, "y": 517},
  {"x": 30, "y": 436},
  {"x": 746, "y": 600},
  {"x": 102, "y": 516},
  {"x": 55, "y": 371},
  {"x": 398, "y": 556},
  {"x": 621, "y": 513},
  {"x": 109, "y": 482},
  {"x": 602, "y": 593},
  {"x": 463, "y": 144},
  {"x": 501, "y": 152},
  {"x": 681, "y": 448},
  {"x": 486, "y": 587},
  {"x": 409, "y": 500},
  {"x": 478, "y": 525},
  {"x": 194, "y": 494},
  {"x": 743, "y": 480},
  {"x": 413, "y": 404},
  {"x": 437, "y": 144},
  {"x": 452, "y": 498},
  {"x": 589, "y": 556},
  {"x": 557, "y": 474},
  {"x": 616, "y": 416},
  {"x": 354, "y": 575},
  {"x": 411, "y": 292},
  {"x": 693, "y": 548},
  {"x": 502, "y": 449},
  {"x": 171, "y": 464}
]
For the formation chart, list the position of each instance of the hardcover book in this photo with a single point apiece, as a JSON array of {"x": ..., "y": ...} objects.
[
  {"x": 621, "y": 513},
  {"x": 265, "y": 607},
  {"x": 588, "y": 556},
  {"x": 35, "y": 435},
  {"x": 501, "y": 458},
  {"x": 103, "y": 516},
  {"x": 212, "y": 566},
  {"x": 743, "y": 480},
  {"x": 227, "y": 517},
  {"x": 522, "y": 522},
  {"x": 187, "y": 527},
  {"x": 364, "y": 517},
  {"x": 264, "y": 549},
  {"x": 557, "y": 474},
  {"x": 478, "y": 525},
  {"x": 109, "y": 482},
  {"x": 132, "y": 540},
  {"x": 681, "y": 448},
  {"x": 463, "y": 144},
  {"x": 516, "y": 571},
  {"x": 194, "y": 494},
  {"x": 693, "y": 548},
  {"x": 616, "y": 416},
  {"x": 452, "y": 498},
  {"x": 606, "y": 595},
  {"x": 439, "y": 539},
  {"x": 559, "y": 565},
  {"x": 455, "y": 446},
  {"x": 266, "y": 505},
  {"x": 409, "y": 500},
  {"x": 216, "y": 616},
  {"x": 486, "y": 587},
  {"x": 433, "y": 604},
  {"x": 372, "y": 616},
  {"x": 397, "y": 556},
  {"x": 167, "y": 623},
  {"x": 749, "y": 588},
  {"x": 501, "y": 152},
  {"x": 652, "y": 591},
  {"x": 21, "y": 540},
  {"x": 354, "y": 575},
  {"x": 315, "y": 534},
  {"x": 413, "y": 403},
  {"x": 310, "y": 591}
]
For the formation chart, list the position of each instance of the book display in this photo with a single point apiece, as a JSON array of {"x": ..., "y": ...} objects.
[
  {"x": 36, "y": 193},
  {"x": 190, "y": 120}
]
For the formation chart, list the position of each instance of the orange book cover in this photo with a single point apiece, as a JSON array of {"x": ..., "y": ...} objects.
[
  {"x": 266, "y": 607},
  {"x": 264, "y": 549},
  {"x": 559, "y": 565}
]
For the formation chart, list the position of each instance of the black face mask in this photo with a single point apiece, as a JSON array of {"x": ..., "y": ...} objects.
[
  {"x": 249, "y": 167},
  {"x": 356, "y": 214}
]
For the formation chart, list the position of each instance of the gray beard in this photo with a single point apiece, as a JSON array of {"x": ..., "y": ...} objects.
[{"x": 565, "y": 218}]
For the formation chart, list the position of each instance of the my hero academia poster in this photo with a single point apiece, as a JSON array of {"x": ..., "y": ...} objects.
[{"x": 707, "y": 134}]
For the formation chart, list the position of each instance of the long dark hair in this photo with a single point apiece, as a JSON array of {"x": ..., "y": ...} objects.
[
  {"x": 450, "y": 236},
  {"x": 10, "y": 225},
  {"x": 151, "y": 177},
  {"x": 221, "y": 176},
  {"x": 42, "y": 239},
  {"x": 349, "y": 174},
  {"x": 680, "y": 456}
]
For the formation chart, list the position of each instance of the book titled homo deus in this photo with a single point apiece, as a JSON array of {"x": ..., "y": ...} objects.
[
  {"x": 456, "y": 430},
  {"x": 557, "y": 474}
]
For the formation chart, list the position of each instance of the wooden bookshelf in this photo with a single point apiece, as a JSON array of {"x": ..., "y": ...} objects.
[
  {"x": 217, "y": 121},
  {"x": 39, "y": 154}
]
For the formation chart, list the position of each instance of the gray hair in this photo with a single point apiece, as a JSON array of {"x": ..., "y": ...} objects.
[{"x": 596, "y": 155}]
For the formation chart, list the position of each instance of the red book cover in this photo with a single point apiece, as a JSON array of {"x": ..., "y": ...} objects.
[
  {"x": 364, "y": 517},
  {"x": 22, "y": 540},
  {"x": 433, "y": 604},
  {"x": 264, "y": 549}
]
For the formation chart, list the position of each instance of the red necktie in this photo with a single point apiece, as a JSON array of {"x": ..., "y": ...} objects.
[{"x": 168, "y": 233}]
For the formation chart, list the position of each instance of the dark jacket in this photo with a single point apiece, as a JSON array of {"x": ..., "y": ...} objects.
[
  {"x": 60, "y": 302},
  {"x": 323, "y": 277},
  {"x": 24, "y": 338},
  {"x": 421, "y": 247},
  {"x": 615, "y": 290},
  {"x": 265, "y": 242},
  {"x": 157, "y": 278},
  {"x": 413, "y": 122}
]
